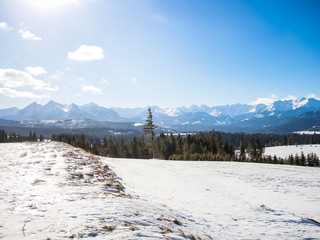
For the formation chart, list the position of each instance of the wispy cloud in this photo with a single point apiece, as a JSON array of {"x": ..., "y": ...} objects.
[
  {"x": 37, "y": 70},
  {"x": 273, "y": 98},
  {"x": 57, "y": 75},
  {"x": 12, "y": 93},
  {"x": 92, "y": 89},
  {"x": 290, "y": 97},
  {"x": 26, "y": 34},
  {"x": 86, "y": 53},
  {"x": 15, "y": 78},
  {"x": 312, "y": 95},
  {"x": 104, "y": 80},
  {"x": 134, "y": 80},
  {"x": 5, "y": 26},
  {"x": 266, "y": 101},
  {"x": 45, "y": 4}
]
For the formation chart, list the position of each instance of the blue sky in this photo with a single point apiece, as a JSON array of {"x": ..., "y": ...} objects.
[{"x": 168, "y": 53}]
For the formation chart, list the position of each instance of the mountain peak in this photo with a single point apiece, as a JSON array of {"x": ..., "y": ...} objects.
[
  {"x": 203, "y": 114},
  {"x": 301, "y": 99},
  {"x": 91, "y": 104},
  {"x": 52, "y": 103}
]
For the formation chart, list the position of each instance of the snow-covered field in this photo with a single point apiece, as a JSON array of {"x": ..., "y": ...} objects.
[
  {"x": 285, "y": 151},
  {"x": 235, "y": 200},
  {"x": 53, "y": 191}
]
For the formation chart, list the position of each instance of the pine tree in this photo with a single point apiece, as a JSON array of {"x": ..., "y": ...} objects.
[
  {"x": 252, "y": 148},
  {"x": 34, "y": 137},
  {"x": 212, "y": 142},
  {"x": 30, "y": 136},
  {"x": 302, "y": 161},
  {"x": 41, "y": 137},
  {"x": 291, "y": 159},
  {"x": 148, "y": 130},
  {"x": 242, "y": 149}
]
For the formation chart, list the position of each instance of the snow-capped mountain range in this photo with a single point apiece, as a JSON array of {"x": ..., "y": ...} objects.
[{"x": 236, "y": 115}]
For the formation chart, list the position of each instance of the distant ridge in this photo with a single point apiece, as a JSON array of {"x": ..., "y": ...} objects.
[{"x": 282, "y": 115}]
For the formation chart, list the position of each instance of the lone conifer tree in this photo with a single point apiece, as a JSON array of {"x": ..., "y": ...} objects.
[
  {"x": 148, "y": 130},
  {"x": 242, "y": 149}
]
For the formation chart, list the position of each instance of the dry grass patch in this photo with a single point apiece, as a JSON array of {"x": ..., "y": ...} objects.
[
  {"x": 108, "y": 228},
  {"x": 37, "y": 182},
  {"x": 165, "y": 230}
]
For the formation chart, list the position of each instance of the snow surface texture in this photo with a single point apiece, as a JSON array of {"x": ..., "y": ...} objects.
[
  {"x": 50, "y": 190},
  {"x": 285, "y": 151},
  {"x": 234, "y": 200},
  {"x": 53, "y": 191}
]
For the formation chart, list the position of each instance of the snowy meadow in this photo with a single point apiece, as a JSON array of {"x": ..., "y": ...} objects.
[{"x": 50, "y": 190}]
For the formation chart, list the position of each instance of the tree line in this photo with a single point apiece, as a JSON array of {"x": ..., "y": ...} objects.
[
  {"x": 203, "y": 146},
  {"x": 7, "y": 138}
]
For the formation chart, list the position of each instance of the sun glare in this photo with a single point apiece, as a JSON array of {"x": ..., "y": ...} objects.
[{"x": 47, "y": 4}]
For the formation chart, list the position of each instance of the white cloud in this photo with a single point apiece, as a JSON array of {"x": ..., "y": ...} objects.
[
  {"x": 12, "y": 93},
  {"x": 104, "y": 80},
  {"x": 134, "y": 80},
  {"x": 47, "y": 4},
  {"x": 15, "y": 78},
  {"x": 29, "y": 35},
  {"x": 273, "y": 98},
  {"x": 266, "y": 101},
  {"x": 312, "y": 95},
  {"x": 37, "y": 70},
  {"x": 92, "y": 89},
  {"x": 57, "y": 75},
  {"x": 290, "y": 97},
  {"x": 5, "y": 26},
  {"x": 86, "y": 53}
]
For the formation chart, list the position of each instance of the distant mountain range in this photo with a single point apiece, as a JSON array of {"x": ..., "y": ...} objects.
[{"x": 280, "y": 116}]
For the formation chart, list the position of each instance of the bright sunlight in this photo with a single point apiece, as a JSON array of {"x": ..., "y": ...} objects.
[{"x": 47, "y": 4}]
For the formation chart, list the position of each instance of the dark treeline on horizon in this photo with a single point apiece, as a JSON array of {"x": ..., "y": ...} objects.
[
  {"x": 12, "y": 137},
  {"x": 203, "y": 146}
]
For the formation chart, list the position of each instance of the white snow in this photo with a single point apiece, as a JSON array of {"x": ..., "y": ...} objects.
[
  {"x": 307, "y": 132},
  {"x": 259, "y": 116},
  {"x": 246, "y": 119},
  {"x": 235, "y": 200},
  {"x": 138, "y": 124},
  {"x": 286, "y": 151},
  {"x": 66, "y": 108},
  {"x": 215, "y": 113},
  {"x": 172, "y": 112},
  {"x": 51, "y": 190},
  {"x": 300, "y": 102}
]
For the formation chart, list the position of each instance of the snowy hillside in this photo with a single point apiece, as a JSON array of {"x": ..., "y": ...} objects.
[
  {"x": 285, "y": 151},
  {"x": 53, "y": 191}
]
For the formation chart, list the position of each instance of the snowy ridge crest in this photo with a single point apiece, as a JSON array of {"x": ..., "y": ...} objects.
[{"x": 183, "y": 116}]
